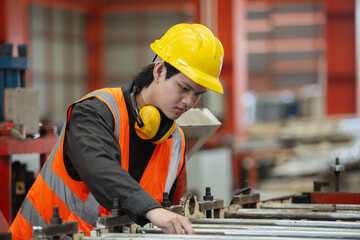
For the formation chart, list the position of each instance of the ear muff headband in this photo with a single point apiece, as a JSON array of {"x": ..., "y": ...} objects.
[
  {"x": 135, "y": 110},
  {"x": 151, "y": 124}
]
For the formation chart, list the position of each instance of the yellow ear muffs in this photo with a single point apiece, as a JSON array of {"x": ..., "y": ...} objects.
[
  {"x": 150, "y": 122},
  {"x": 151, "y": 119}
]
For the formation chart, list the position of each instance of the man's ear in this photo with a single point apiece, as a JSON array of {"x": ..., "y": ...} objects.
[{"x": 159, "y": 69}]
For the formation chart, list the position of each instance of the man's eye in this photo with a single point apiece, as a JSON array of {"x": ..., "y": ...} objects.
[{"x": 184, "y": 88}]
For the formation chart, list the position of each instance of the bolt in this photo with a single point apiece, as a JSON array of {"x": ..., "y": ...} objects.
[
  {"x": 166, "y": 202},
  {"x": 56, "y": 219},
  {"x": 208, "y": 196}
]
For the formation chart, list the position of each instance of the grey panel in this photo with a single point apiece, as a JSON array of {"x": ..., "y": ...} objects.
[
  {"x": 258, "y": 63},
  {"x": 298, "y": 7},
  {"x": 121, "y": 24},
  {"x": 59, "y": 56},
  {"x": 297, "y": 55},
  {"x": 306, "y": 31},
  {"x": 37, "y": 55},
  {"x": 79, "y": 55},
  {"x": 79, "y": 23},
  {"x": 259, "y": 35},
  {"x": 159, "y": 22},
  {"x": 59, "y": 18},
  {"x": 295, "y": 78},
  {"x": 36, "y": 14},
  {"x": 121, "y": 58},
  {"x": 257, "y": 15}
]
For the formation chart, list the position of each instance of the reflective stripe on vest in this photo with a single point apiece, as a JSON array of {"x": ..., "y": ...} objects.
[
  {"x": 87, "y": 211},
  {"x": 110, "y": 99},
  {"x": 31, "y": 214},
  {"x": 175, "y": 160}
]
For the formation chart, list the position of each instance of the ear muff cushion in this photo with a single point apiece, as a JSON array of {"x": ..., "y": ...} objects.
[
  {"x": 152, "y": 119},
  {"x": 166, "y": 135},
  {"x": 166, "y": 128}
]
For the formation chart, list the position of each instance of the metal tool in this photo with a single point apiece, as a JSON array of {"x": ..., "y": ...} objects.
[
  {"x": 195, "y": 209},
  {"x": 116, "y": 222},
  {"x": 57, "y": 230}
]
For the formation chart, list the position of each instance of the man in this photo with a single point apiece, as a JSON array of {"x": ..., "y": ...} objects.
[{"x": 123, "y": 142}]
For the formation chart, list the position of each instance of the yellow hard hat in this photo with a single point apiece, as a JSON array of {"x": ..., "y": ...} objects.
[{"x": 195, "y": 51}]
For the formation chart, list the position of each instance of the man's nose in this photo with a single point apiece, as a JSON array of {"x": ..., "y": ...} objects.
[{"x": 189, "y": 99}]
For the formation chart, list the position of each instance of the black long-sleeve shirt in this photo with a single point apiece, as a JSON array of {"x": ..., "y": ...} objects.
[{"x": 92, "y": 154}]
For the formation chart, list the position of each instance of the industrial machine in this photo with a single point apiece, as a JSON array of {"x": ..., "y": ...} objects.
[
  {"x": 245, "y": 218},
  {"x": 310, "y": 215}
]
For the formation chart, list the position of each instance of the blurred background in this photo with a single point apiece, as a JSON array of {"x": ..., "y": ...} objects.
[{"x": 290, "y": 78}]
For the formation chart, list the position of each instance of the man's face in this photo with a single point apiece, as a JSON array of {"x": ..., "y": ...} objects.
[{"x": 177, "y": 94}]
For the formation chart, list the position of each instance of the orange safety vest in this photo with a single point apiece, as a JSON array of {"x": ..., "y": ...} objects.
[{"x": 54, "y": 187}]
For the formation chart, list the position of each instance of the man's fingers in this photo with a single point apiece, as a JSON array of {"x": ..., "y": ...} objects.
[
  {"x": 178, "y": 225},
  {"x": 170, "y": 222},
  {"x": 185, "y": 224},
  {"x": 188, "y": 229},
  {"x": 178, "y": 228},
  {"x": 169, "y": 229}
]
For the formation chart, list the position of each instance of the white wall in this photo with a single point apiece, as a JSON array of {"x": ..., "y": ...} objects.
[{"x": 211, "y": 168}]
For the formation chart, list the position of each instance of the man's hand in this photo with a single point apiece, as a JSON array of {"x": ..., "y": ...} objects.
[{"x": 169, "y": 222}]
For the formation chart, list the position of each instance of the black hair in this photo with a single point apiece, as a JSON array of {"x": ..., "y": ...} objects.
[{"x": 145, "y": 76}]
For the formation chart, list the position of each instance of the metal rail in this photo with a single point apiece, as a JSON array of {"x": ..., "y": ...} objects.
[
  {"x": 278, "y": 222},
  {"x": 117, "y": 236},
  {"x": 314, "y": 207},
  {"x": 280, "y": 228},
  {"x": 269, "y": 233},
  {"x": 291, "y": 214}
]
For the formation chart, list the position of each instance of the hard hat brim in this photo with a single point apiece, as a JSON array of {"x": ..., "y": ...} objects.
[{"x": 199, "y": 77}]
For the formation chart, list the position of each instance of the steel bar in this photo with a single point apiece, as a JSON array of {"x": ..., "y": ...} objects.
[
  {"x": 337, "y": 207},
  {"x": 117, "y": 236},
  {"x": 110, "y": 221},
  {"x": 279, "y": 228},
  {"x": 291, "y": 214},
  {"x": 272, "y": 233},
  {"x": 52, "y": 230},
  {"x": 278, "y": 222},
  {"x": 209, "y": 205},
  {"x": 246, "y": 198}
]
